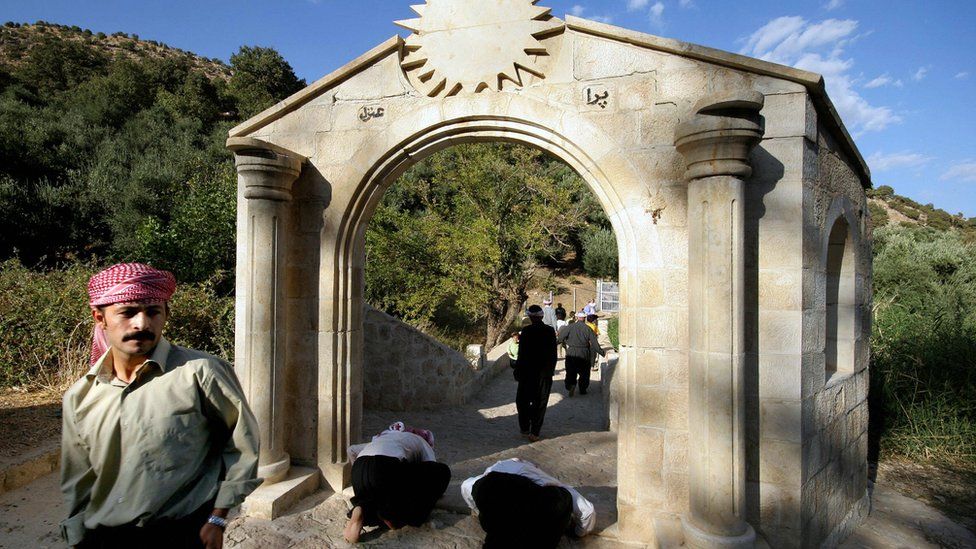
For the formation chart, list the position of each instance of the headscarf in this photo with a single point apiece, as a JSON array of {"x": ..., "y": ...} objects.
[
  {"x": 422, "y": 433},
  {"x": 126, "y": 283},
  {"x": 536, "y": 311}
]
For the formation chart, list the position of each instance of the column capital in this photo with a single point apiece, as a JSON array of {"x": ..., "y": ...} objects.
[
  {"x": 267, "y": 171},
  {"x": 720, "y": 134}
]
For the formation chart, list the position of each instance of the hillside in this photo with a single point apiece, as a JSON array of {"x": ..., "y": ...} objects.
[
  {"x": 888, "y": 208},
  {"x": 17, "y": 40}
]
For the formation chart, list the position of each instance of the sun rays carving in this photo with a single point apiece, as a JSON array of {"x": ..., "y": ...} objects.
[{"x": 473, "y": 46}]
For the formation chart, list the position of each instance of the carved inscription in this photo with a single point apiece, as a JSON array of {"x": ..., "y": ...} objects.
[
  {"x": 596, "y": 96},
  {"x": 370, "y": 112}
]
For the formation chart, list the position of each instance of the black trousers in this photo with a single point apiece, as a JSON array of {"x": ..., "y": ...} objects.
[
  {"x": 401, "y": 492},
  {"x": 531, "y": 400},
  {"x": 578, "y": 367},
  {"x": 162, "y": 534},
  {"x": 516, "y": 512}
]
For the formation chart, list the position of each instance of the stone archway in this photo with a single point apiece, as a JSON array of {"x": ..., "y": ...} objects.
[{"x": 713, "y": 168}]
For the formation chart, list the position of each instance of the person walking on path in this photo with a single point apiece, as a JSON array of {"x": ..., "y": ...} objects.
[
  {"x": 590, "y": 308},
  {"x": 534, "y": 370},
  {"x": 548, "y": 314},
  {"x": 519, "y": 505},
  {"x": 396, "y": 480},
  {"x": 158, "y": 442},
  {"x": 591, "y": 321},
  {"x": 560, "y": 312},
  {"x": 581, "y": 350}
]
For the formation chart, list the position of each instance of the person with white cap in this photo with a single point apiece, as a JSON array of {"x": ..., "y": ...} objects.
[
  {"x": 534, "y": 370},
  {"x": 548, "y": 314}
]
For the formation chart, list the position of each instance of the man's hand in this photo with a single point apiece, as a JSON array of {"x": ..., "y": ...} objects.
[{"x": 212, "y": 535}]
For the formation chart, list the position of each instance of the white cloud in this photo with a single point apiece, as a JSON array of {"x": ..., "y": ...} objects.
[
  {"x": 634, "y": 5},
  {"x": 819, "y": 47},
  {"x": 881, "y": 162},
  {"x": 883, "y": 80},
  {"x": 578, "y": 10},
  {"x": 963, "y": 171},
  {"x": 657, "y": 13},
  {"x": 920, "y": 74},
  {"x": 833, "y": 4},
  {"x": 962, "y": 75}
]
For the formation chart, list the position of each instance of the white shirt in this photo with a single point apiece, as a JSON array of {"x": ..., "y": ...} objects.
[
  {"x": 395, "y": 444},
  {"x": 584, "y": 516}
]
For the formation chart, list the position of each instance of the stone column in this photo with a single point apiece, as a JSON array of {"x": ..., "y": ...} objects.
[
  {"x": 265, "y": 174},
  {"x": 716, "y": 142}
]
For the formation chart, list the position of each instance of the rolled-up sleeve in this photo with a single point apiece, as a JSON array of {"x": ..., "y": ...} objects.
[
  {"x": 77, "y": 475},
  {"x": 240, "y": 454}
]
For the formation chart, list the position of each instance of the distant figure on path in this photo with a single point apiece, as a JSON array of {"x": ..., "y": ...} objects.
[
  {"x": 548, "y": 314},
  {"x": 590, "y": 308},
  {"x": 519, "y": 505},
  {"x": 560, "y": 312},
  {"x": 591, "y": 321},
  {"x": 158, "y": 442},
  {"x": 534, "y": 371},
  {"x": 581, "y": 350},
  {"x": 396, "y": 480}
]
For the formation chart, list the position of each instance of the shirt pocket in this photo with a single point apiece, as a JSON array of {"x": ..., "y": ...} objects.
[{"x": 175, "y": 443}]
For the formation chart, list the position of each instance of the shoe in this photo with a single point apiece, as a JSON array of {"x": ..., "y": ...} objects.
[
  {"x": 526, "y": 434},
  {"x": 572, "y": 391},
  {"x": 534, "y": 438},
  {"x": 582, "y": 391}
]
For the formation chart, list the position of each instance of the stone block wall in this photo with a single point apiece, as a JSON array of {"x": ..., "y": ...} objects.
[
  {"x": 835, "y": 409},
  {"x": 405, "y": 369}
]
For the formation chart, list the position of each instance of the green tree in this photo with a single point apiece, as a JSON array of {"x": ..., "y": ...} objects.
[
  {"x": 600, "y": 256},
  {"x": 470, "y": 226},
  {"x": 261, "y": 77}
]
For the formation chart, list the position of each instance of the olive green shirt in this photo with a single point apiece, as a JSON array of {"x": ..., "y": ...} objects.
[{"x": 179, "y": 435}]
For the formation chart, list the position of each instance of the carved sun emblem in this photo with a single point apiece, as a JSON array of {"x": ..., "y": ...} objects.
[{"x": 475, "y": 45}]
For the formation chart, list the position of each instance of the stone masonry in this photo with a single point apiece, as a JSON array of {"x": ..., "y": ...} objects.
[{"x": 737, "y": 198}]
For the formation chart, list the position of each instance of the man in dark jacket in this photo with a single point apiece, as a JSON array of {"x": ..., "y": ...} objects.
[
  {"x": 534, "y": 370},
  {"x": 581, "y": 350}
]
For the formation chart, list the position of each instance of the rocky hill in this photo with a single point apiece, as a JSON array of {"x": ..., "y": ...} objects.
[
  {"x": 889, "y": 208},
  {"x": 17, "y": 40}
]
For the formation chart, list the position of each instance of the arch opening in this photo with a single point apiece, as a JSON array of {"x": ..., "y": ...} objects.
[{"x": 841, "y": 306}]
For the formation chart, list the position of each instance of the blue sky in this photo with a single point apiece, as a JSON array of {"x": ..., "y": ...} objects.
[{"x": 902, "y": 73}]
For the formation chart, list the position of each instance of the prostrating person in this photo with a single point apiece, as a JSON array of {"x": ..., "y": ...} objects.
[
  {"x": 520, "y": 505},
  {"x": 581, "y": 350},
  {"x": 396, "y": 480},
  {"x": 534, "y": 370},
  {"x": 158, "y": 442}
]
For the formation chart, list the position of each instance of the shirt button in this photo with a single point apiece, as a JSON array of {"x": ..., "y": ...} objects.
[{"x": 120, "y": 500}]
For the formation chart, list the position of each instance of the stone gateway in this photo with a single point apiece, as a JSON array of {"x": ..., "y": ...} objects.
[{"x": 737, "y": 197}]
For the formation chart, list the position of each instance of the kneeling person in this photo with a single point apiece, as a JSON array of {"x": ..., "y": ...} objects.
[
  {"x": 396, "y": 480},
  {"x": 158, "y": 442},
  {"x": 519, "y": 505}
]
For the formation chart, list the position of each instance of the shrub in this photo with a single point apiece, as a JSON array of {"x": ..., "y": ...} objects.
[
  {"x": 613, "y": 332},
  {"x": 879, "y": 215},
  {"x": 923, "y": 379},
  {"x": 45, "y": 323}
]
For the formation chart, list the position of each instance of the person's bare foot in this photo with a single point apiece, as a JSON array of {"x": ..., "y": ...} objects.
[{"x": 354, "y": 526}]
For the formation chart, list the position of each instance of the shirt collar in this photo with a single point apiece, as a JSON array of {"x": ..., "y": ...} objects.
[{"x": 159, "y": 357}]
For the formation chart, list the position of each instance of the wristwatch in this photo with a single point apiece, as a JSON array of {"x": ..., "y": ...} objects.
[{"x": 217, "y": 521}]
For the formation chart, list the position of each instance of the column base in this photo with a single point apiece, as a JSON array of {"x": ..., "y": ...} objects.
[
  {"x": 271, "y": 501},
  {"x": 700, "y": 539},
  {"x": 274, "y": 472}
]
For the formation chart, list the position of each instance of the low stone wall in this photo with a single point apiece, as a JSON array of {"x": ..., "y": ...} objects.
[{"x": 405, "y": 369}]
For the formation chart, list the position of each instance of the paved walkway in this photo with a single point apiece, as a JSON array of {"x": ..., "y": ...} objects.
[{"x": 576, "y": 448}]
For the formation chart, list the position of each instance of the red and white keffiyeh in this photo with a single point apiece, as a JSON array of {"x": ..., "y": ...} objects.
[
  {"x": 422, "y": 433},
  {"x": 126, "y": 283}
]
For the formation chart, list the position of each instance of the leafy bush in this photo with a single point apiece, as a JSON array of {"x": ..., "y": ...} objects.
[
  {"x": 613, "y": 331},
  {"x": 923, "y": 382},
  {"x": 879, "y": 215},
  {"x": 45, "y": 323}
]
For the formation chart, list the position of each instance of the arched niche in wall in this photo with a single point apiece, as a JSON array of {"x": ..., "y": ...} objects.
[{"x": 841, "y": 301}]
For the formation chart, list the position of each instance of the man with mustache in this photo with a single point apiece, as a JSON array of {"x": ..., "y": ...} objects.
[{"x": 158, "y": 442}]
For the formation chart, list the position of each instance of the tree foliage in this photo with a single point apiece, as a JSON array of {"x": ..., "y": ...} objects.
[
  {"x": 467, "y": 228},
  {"x": 261, "y": 78}
]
